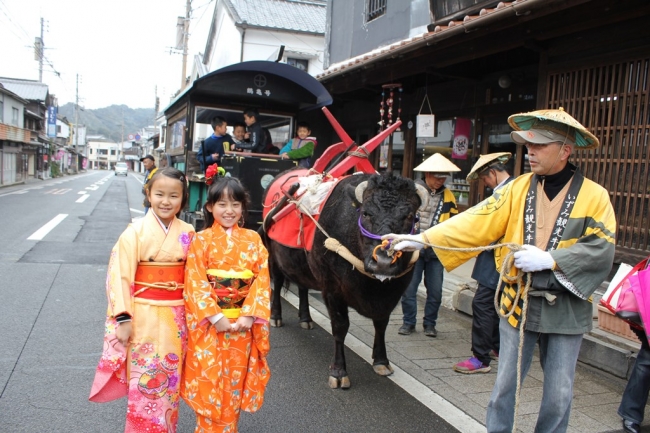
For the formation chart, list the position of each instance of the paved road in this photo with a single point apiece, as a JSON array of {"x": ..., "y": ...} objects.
[{"x": 52, "y": 304}]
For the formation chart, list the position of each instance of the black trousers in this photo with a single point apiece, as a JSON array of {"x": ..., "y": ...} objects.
[{"x": 485, "y": 324}]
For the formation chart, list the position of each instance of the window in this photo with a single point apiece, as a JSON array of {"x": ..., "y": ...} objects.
[
  {"x": 301, "y": 64},
  {"x": 375, "y": 9},
  {"x": 14, "y": 116},
  {"x": 2, "y": 110}
]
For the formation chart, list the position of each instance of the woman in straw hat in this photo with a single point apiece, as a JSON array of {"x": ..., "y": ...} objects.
[
  {"x": 492, "y": 171},
  {"x": 566, "y": 225},
  {"x": 439, "y": 207}
]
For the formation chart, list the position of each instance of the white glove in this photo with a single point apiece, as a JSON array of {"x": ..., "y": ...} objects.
[
  {"x": 408, "y": 246},
  {"x": 405, "y": 242},
  {"x": 532, "y": 259}
]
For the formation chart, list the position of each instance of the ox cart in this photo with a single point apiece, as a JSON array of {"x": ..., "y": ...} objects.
[{"x": 280, "y": 92}]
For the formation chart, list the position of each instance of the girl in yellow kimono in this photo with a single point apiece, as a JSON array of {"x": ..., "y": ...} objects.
[
  {"x": 146, "y": 336},
  {"x": 227, "y": 297}
]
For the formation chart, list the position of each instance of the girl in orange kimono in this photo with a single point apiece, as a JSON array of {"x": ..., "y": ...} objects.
[
  {"x": 227, "y": 298},
  {"x": 145, "y": 335}
]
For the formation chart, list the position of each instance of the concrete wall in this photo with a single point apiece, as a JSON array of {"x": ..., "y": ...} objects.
[{"x": 350, "y": 35}]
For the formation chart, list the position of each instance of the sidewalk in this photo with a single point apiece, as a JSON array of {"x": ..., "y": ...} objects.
[{"x": 597, "y": 394}]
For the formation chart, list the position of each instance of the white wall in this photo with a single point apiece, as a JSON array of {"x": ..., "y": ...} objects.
[
  {"x": 262, "y": 45},
  {"x": 9, "y": 104}
]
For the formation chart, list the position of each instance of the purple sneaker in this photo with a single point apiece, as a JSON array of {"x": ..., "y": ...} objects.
[{"x": 472, "y": 366}]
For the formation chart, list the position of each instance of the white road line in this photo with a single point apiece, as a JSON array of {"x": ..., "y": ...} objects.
[
  {"x": 82, "y": 192},
  {"x": 136, "y": 210},
  {"x": 82, "y": 198},
  {"x": 438, "y": 405},
  {"x": 43, "y": 231}
]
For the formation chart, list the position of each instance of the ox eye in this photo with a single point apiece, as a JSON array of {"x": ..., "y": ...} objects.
[{"x": 365, "y": 214}]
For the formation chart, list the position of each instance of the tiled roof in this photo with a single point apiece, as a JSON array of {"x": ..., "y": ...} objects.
[
  {"x": 26, "y": 89},
  {"x": 295, "y": 15},
  {"x": 503, "y": 10}
]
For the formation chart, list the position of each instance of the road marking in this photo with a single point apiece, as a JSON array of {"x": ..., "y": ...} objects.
[
  {"x": 136, "y": 210},
  {"x": 14, "y": 193},
  {"x": 82, "y": 198},
  {"x": 92, "y": 187},
  {"x": 438, "y": 405},
  {"x": 59, "y": 191},
  {"x": 43, "y": 231},
  {"x": 82, "y": 192}
]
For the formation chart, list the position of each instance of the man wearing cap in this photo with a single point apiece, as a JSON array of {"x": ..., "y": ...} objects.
[
  {"x": 440, "y": 206},
  {"x": 492, "y": 171},
  {"x": 566, "y": 225},
  {"x": 149, "y": 169}
]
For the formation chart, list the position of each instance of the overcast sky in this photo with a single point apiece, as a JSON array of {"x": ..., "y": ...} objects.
[{"x": 119, "y": 48}]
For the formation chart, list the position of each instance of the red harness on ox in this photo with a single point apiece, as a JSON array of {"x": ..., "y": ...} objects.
[{"x": 294, "y": 229}]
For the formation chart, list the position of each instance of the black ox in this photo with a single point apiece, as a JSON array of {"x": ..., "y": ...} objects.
[{"x": 359, "y": 210}]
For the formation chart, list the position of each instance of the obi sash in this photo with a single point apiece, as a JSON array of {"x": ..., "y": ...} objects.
[
  {"x": 159, "y": 281},
  {"x": 231, "y": 288}
]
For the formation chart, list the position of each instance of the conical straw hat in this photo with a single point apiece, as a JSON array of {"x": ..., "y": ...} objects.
[
  {"x": 437, "y": 163},
  {"x": 485, "y": 161},
  {"x": 544, "y": 119}
]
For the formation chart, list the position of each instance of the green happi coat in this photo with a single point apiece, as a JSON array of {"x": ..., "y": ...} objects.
[{"x": 583, "y": 255}]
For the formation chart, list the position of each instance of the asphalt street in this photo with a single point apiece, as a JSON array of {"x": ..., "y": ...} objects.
[{"x": 54, "y": 246}]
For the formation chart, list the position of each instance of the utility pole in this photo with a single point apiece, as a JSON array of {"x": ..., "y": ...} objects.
[
  {"x": 76, "y": 117},
  {"x": 186, "y": 28},
  {"x": 41, "y": 54}
]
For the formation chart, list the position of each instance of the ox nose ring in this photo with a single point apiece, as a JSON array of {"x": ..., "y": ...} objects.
[{"x": 384, "y": 245}]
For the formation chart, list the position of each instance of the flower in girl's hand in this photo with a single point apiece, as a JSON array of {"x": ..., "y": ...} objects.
[{"x": 212, "y": 171}]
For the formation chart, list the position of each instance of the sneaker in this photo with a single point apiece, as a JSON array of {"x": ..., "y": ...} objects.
[
  {"x": 430, "y": 331},
  {"x": 472, "y": 366},
  {"x": 406, "y": 329},
  {"x": 494, "y": 355}
]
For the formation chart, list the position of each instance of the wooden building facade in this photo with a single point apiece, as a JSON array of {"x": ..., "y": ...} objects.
[{"x": 485, "y": 60}]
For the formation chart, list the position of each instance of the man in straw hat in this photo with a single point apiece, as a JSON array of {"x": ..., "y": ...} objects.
[
  {"x": 566, "y": 225},
  {"x": 492, "y": 171},
  {"x": 440, "y": 206}
]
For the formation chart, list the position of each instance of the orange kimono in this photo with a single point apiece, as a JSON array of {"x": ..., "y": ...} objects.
[{"x": 225, "y": 372}]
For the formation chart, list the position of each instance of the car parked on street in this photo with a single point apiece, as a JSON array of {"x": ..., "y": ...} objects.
[{"x": 121, "y": 168}]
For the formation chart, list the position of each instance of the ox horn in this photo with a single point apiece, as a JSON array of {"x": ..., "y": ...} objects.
[
  {"x": 422, "y": 192},
  {"x": 358, "y": 191}
]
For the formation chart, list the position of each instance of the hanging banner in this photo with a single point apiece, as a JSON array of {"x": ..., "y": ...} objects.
[
  {"x": 461, "y": 138},
  {"x": 51, "y": 120},
  {"x": 426, "y": 125}
]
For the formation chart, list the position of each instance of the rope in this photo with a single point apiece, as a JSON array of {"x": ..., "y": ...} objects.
[
  {"x": 169, "y": 286},
  {"x": 335, "y": 246},
  {"x": 359, "y": 152},
  {"x": 518, "y": 281}
]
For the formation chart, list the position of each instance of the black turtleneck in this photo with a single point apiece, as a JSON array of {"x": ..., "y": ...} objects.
[{"x": 554, "y": 183}]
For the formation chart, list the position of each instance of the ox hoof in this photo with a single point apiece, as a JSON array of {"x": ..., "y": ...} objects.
[
  {"x": 276, "y": 323},
  {"x": 383, "y": 370},
  {"x": 307, "y": 325},
  {"x": 343, "y": 382}
]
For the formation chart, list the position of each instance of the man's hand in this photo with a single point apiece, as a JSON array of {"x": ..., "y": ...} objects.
[
  {"x": 406, "y": 242},
  {"x": 532, "y": 259}
]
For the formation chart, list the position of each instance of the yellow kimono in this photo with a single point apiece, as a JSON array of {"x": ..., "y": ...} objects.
[
  {"x": 225, "y": 372},
  {"x": 148, "y": 371}
]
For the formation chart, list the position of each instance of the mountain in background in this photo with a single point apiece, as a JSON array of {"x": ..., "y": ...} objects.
[{"x": 112, "y": 122}]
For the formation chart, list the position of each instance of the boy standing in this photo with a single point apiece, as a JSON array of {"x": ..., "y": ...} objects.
[
  {"x": 213, "y": 147},
  {"x": 300, "y": 148},
  {"x": 256, "y": 140}
]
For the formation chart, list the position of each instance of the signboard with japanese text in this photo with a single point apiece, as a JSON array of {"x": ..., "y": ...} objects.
[{"x": 51, "y": 121}]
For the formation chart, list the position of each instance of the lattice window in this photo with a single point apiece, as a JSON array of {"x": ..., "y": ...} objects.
[
  {"x": 375, "y": 9},
  {"x": 613, "y": 102}
]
